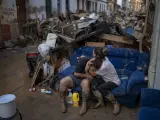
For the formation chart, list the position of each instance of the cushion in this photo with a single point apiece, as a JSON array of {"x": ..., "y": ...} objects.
[
  {"x": 123, "y": 52},
  {"x": 137, "y": 77},
  {"x": 123, "y": 63},
  {"x": 120, "y": 57},
  {"x": 150, "y": 98},
  {"x": 124, "y": 73},
  {"x": 122, "y": 89},
  {"x": 67, "y": 72},
  {"x": 147, "y": 113}
]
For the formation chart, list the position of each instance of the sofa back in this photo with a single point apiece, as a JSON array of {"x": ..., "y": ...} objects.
[{"x": 121, "y": 58}]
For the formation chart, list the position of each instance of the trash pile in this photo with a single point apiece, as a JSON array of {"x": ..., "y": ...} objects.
[{"x": 59, "y": 37}]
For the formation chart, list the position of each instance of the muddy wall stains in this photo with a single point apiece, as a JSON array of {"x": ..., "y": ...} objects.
[{"x": 8, "y": 11}]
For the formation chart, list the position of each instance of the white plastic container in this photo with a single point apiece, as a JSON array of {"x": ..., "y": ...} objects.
[
  {"x": 7, "y": 106},
  {"x": 69, "y": 97}
]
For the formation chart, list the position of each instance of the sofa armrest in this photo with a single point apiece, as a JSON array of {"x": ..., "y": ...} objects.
[
  {"x": 137, "y": 77},
  {"x": 150, "y": 98}
]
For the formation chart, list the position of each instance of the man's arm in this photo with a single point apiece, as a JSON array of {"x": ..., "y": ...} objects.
[{"x": 80, "y": 75}]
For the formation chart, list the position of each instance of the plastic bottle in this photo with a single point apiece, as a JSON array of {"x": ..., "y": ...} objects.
[
  {"x": 69, "y": 97},
  {"x": 75, "y": 99},
  {"x": 49, "y": 92}
]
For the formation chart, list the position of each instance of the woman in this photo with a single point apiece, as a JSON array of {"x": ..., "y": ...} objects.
[{"x": 108, "y": 80}]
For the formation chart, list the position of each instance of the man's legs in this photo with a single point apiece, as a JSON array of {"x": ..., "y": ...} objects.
[
  {"x": 65, "y": 83},
  {"x": 85, "y": 85}
]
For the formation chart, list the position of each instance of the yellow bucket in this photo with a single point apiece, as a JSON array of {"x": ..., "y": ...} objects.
[{"x": 75, "y": 99}]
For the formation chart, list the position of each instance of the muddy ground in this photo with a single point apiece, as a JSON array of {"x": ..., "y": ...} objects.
[{"x": 37, "y": 106}]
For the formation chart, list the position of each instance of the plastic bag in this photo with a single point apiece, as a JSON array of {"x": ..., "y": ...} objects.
[
  {"x": 64, "y": 65},
  {"x": 43, "y": 50}
]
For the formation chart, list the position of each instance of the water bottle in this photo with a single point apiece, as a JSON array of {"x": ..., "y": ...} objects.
[
  {"x": 48, "y": 92},
  {"x": 69, "y": 97}
]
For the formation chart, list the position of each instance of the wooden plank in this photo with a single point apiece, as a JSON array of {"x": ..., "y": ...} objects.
[
  {"x": 116, "y": 38},
  {"x": 95, "y": 44}
]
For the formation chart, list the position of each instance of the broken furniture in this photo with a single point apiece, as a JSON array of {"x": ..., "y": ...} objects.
[
  {"x": 149, "y": 105},
  {"x": 131, "y": 66},
  {"x": 116, "y": 38}
]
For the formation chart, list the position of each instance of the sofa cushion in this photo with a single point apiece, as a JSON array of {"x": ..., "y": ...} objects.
[
  {"x": 148, "y": 113},
  {"x": 67, "y": 72},
  {"x": 121, "y": 58},
  {"x": 123, "y": 73},
  {"x": 123, "y": 63},
  {"x": 122, "y": 89},
  {"x": 123, "y": 52}
]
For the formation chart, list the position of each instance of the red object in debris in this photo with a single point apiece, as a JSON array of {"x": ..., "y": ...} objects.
[
  {"x": 31, "y": 54},
  {"x": 6, "y": 32}
]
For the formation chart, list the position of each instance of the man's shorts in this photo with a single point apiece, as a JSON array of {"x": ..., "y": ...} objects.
[{"x": 76, "y": 81}]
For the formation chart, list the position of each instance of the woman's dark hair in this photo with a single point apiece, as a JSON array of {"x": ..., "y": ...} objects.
[{"x": 99, "y": 57}]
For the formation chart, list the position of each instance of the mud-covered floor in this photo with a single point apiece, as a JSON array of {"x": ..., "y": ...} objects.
[{"x": 37, "y": 106}]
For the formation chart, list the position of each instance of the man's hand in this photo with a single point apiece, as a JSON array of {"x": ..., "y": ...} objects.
[{"x": 89, "y": 77}]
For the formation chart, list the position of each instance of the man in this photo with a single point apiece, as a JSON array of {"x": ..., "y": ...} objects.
[{"x": 79, "y": 78}]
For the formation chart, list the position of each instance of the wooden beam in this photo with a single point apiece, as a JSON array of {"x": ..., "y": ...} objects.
[
  {"x": 116, "y": 38},
  {"x": 95, "y": 44}
]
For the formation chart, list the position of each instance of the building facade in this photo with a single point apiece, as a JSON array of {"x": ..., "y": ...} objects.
[
  {"x": 123, "y": 3},
  {"x": 18, "y": 11},
  {"x": 136, "y": 5}
]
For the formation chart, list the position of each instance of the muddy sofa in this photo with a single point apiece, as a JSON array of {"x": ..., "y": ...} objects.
[
  {"x": 149, "y": 105},
  {"x": 131, "y": 66}
]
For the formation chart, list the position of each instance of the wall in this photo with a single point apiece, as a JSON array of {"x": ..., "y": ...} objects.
[
  {"x": 154, "y": 67},
  {"x": 73, "y": 5},
  {"x": 54, "y": 7},
  {"x": 8, "y": 14},
  {"x": 101, "y": 6},
  {"x": 119, "y": 2},
  {"x": 8, "y": 11},
  {"x": 36, "y": 9}
]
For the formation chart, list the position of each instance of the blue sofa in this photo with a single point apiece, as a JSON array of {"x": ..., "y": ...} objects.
[
  {"x": 149, "y": 105},
  {"x": 131, "y": 68}
]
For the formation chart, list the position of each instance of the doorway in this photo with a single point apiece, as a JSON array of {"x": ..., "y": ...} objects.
[
  {"x": 88, "y": 6},
  {"x": 58, "y": 6},
  {"x": 48, "y": 8},
  {"x": 21, "y": 13}
]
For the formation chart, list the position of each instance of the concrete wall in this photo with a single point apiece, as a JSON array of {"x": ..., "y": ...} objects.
[
  {"x": 36, "y": 9},
  {"x": 101, "y": 6},
  {"x": 119, "y": 2},
  {"x": 154, "y": 68},
  {"x": 8, "y": 11},
  {"x": 73, "y": 5}
]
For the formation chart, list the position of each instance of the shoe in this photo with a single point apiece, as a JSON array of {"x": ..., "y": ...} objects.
[
  {"x": 99, "y": 97},
  {"x": 116, "y": 105},
  {"x": 116, "y": 108},
  {"x": 84, "y": 104},
  {"x": 63, "y": 102}
]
